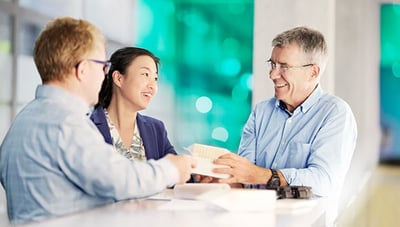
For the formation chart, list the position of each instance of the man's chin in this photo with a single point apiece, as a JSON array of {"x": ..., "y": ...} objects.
[
  {"x": 94, "y": 102},
  {"x": 279, "y": 95}
]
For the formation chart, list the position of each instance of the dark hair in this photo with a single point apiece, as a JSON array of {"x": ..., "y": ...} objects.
[{"x": 120, "y": 61}]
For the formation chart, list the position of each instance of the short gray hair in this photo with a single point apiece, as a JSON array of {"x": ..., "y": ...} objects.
[{"x": 311, "y": 42}]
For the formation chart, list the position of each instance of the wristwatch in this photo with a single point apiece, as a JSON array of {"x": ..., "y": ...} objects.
[{"x": 274, "y": 181}]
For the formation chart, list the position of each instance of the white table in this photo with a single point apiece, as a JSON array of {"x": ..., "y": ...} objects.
[{"x": 147, "y": 212}]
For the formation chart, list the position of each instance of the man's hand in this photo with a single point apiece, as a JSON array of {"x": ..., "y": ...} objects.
[
  {"x": 241, "y": 170},
  {"x": 184, "y": 164}
]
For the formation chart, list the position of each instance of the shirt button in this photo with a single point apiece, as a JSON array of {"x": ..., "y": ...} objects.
[{"x": 289, "y": 120}]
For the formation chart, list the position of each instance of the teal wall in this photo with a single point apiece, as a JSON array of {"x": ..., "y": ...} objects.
[
  {"x": 390, "y": 82},
  {"x": 206, "y": 55}
]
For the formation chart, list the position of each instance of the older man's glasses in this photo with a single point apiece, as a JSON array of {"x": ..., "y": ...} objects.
[
  {"x": 284, "y": 67},
  {"x": 106, "y": 64}
]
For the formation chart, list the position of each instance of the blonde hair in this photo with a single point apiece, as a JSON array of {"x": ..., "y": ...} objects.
[{"x": 62, "y": 45}]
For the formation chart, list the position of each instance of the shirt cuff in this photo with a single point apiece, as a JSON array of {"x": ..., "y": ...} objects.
[{"x": 169, "y": 170}]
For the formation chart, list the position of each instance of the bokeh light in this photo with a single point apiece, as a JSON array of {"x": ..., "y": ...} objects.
[
  {"x": 203, "y": 104},
  {"x": 220, "y": 133}
]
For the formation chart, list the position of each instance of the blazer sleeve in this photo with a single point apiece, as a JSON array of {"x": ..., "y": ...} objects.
[{"x": 155, "y": 137}]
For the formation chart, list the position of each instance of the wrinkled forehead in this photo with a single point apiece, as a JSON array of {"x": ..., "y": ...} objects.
[{"x": 290, "y": 53}]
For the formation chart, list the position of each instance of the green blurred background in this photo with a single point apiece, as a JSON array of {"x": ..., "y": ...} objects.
[
  {"x": 390, "y": 82},
  {"x": 206, "y": 56}
]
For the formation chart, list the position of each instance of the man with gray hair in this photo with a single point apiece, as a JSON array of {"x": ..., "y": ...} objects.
[{"x": 301, "y": 137}]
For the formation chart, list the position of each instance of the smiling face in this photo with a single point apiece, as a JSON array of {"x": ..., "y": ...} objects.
[
  {"x": 294, "y": 85},
  {"x": 138, "y": 85}
]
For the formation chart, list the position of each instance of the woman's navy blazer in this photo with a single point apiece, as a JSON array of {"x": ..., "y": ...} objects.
[{"x": 152, "y": 132}]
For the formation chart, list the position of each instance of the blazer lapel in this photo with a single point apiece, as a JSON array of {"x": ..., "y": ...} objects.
[
  {"x": 99, "y": 119},
  {"x": 148, "y": 137}
]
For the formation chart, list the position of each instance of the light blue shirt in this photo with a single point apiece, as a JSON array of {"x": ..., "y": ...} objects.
[
  {"x": 54, "y": 161},
  {"x": 311, "y": 147}
]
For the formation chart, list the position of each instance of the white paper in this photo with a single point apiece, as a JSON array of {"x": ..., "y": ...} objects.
[
  {"x": 164, "y": 195},
  {"x": 242, "y": 199},
  {"x": 220, "y": 196},
  {"x": 196, "y": 190},
  {"x": 205, "y": 155},
  {"x": 205, "y": 166}
]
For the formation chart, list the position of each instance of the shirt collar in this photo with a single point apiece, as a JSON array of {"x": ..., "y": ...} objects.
[
  {"x": 64, "y": 98},
  {"x": 307, "y": 104},
  {"x": 312, "y": 99}
]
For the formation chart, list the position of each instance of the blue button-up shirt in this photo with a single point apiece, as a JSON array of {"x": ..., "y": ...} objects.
[
  {"x": 54, "y": 161},
  {"x": 312, "y": 146}
]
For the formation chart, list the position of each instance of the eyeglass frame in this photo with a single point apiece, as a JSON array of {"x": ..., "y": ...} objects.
[
  {"x": 106, "y": 67},
  {"x": 283, "y": 68}
]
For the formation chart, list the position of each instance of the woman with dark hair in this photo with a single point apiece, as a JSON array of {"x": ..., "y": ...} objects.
[{"x": 128, "y": 88}]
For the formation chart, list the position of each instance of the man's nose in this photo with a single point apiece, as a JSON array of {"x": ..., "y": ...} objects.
[{"x": 274, "y": 73}]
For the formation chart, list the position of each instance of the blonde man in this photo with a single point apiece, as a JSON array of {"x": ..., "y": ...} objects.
[{"x": 53, "y": 160}]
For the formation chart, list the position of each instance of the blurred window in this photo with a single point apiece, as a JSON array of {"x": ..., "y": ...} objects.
[
  {"x": 206, "y": 67},
  {"x": 390, "y": 83},
  {"x": 6, "y": 72}
]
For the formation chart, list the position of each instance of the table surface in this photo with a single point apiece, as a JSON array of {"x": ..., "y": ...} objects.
[{"x": 153, "y": 212}]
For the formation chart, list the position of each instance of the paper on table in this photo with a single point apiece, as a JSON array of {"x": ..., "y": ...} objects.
[
  {"x": 242, "y": 199},
  {"x": 164, "y": 195},
  {"x": 204, "y": 155},
  {"x": 187, "y": 196},
  {"x": 220, "y": 196},
  {"x": 196, "y": 190},
  {"x": 190, "y": 191}
]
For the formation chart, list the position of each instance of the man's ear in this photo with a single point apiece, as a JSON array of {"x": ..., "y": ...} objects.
[
  {"x": 81, "y": 70},
  {"x": 315, "y": 69}
]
